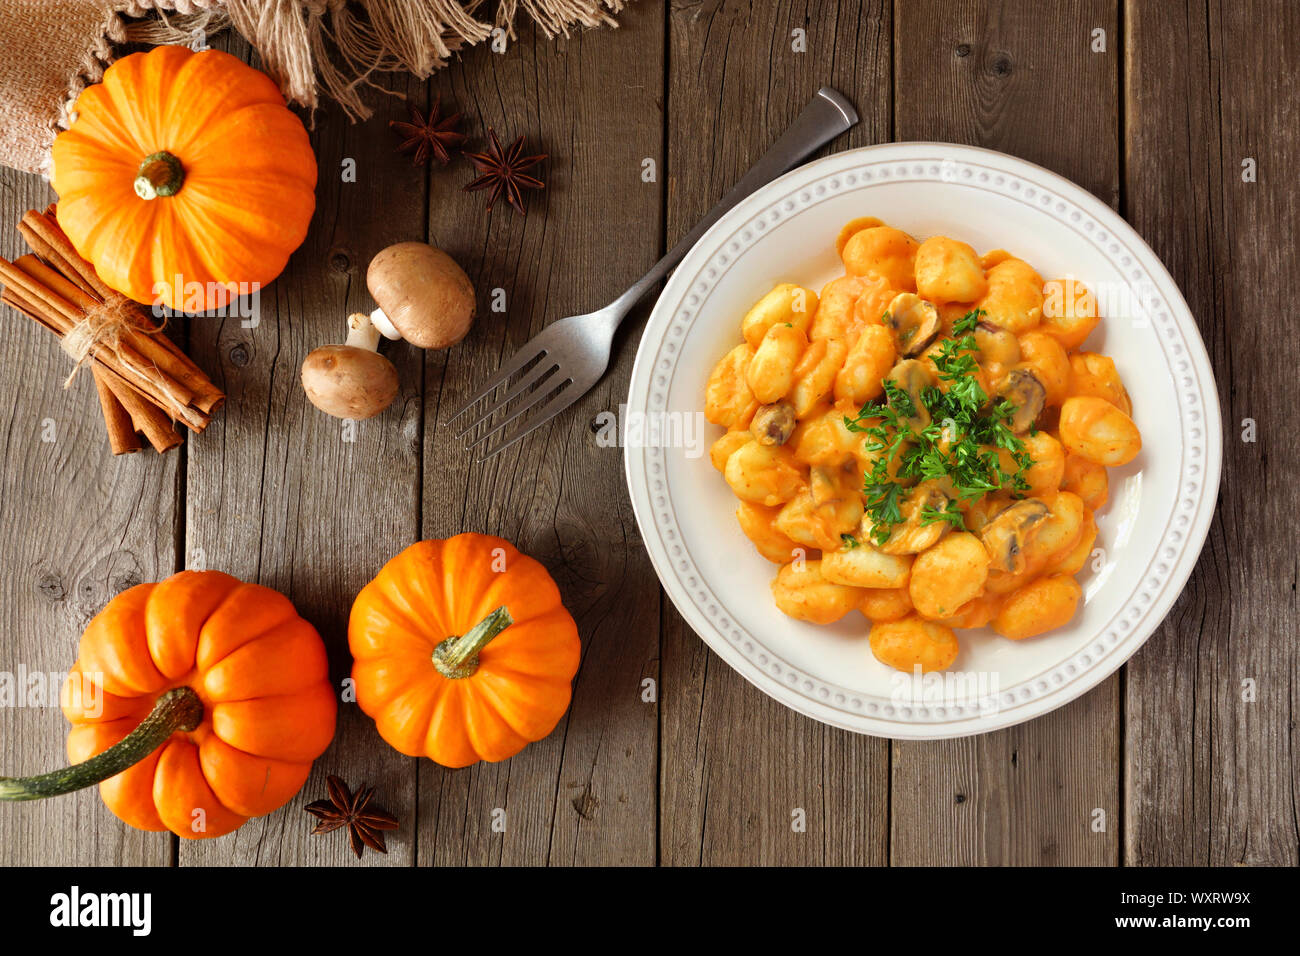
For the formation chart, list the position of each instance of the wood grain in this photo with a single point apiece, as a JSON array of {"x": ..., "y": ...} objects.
[
  {"x": 710, "y": 771},
  {"x": 585, "y": 794},
  {"x": 1211, "y": 778},
  {"x": 79, "y": 527},
  {"x": 1000, "y": 76},
  {"x": 278, "y": 494},
  {"x": 739, "y": 773}
]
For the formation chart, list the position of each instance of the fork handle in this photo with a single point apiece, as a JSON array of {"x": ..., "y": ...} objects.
[{"x": 828, "y": 114}]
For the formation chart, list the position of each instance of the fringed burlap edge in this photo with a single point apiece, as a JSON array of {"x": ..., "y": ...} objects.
[
  {"x": 327, "y": 49},
  {"x": 330, "y": 49}
]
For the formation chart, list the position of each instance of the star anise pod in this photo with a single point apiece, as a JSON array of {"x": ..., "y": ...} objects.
[
  {"x": 432, "y": 134},
  {"x": 365, "y": 822},
  {"x": 502, "y": 171}
]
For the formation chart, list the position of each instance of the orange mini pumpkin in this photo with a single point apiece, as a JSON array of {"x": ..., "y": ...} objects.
[
  {"x": 196, "y": 703},
  {"x": 182, "y": 174},
  {"x": 463, "y": 650}
]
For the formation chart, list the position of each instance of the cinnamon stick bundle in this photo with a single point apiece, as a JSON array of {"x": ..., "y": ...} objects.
[{"x": 145, "y": 383}]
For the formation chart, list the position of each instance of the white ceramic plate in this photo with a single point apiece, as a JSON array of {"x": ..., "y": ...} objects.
[{"x": 1151, "y": 531}]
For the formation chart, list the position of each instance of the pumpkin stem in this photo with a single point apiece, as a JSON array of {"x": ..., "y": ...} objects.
[
  {"x": 160, "y": 174},
  {"x": 177, "y": 709},
  {"x": 457, "y": 657}
]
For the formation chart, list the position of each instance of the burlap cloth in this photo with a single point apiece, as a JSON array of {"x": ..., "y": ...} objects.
[{"x": 50, "y": 49}]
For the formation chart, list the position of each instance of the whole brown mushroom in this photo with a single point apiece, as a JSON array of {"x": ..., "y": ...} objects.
[
  {"x": 423, "y": 296},
  {"x": 351, "y": 380}
]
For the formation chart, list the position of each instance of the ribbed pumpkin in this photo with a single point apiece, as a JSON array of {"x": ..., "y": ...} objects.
[
  {"x": 463, "y": 651},
  {"x": 209, "y": 695},
  {"x": 184, "y": 172}
]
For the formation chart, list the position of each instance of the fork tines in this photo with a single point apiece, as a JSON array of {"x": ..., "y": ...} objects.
[{"x": 544, "y": 379}]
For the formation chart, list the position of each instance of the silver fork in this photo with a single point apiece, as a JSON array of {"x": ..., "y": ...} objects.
[{"x": 570, "y": 355}]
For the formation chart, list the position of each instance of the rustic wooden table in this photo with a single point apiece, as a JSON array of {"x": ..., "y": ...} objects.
[{"x": 1156, "y": 107}]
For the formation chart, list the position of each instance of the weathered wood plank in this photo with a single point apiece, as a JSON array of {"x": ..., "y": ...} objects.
[
  {"x": 1210, "y": 777},
  {"x": 277, "y": 491},
  {"x": 80, "y": 526},
  {"x": 276, "y": 495},
  {"x": 1016, "y": 78},
  {"x": 735, "y": 765},
  {"x": 585, "y": 794}
]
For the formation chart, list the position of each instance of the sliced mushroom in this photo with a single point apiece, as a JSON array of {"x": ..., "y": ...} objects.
[
  {"x": 822, "y": 485},
  {"x": 997, "y": 346},
  {"x": 836, "y": 497},
  {"x": 913, "y": 377},
  {"x": 1007, "y": 534},
  {"x": 773, "y": 424},
  {"x": 1022, "y": 389},
  {"x": 914, "y": 320},
  {"x": 912, "y": 536}
]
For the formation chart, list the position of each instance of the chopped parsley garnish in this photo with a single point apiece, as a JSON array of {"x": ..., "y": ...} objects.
[
  {"x": 850, "y": 542},
  {"x": 968, "y": 322},
  {"x": 959, "y": 444},
  {"x": 950, "y": 513},
  {"x": 882, "y": 505}
]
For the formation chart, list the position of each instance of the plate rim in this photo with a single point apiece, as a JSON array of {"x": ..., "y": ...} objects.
[{"x": 1181, "y": 319}]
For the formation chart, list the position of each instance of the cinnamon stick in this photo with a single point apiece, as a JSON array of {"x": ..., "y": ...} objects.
[
  {"x": 12, "y": 298},
  {"x": 47, "y": 238},
  {"x": 41, "y": 245},
  {"x": 148, "y": 418},
  {"x": 160, "y": 388},
  {"x": 144, "y": 381},
  {"x": 47, "y": 226},
  {"x": 144, "y": 416},
  {"x": 60, "y": 316},
  {"x": 58, "y": 309},
  {"x": 141, "y": 351},
  {"x": 122, "y": 439}
]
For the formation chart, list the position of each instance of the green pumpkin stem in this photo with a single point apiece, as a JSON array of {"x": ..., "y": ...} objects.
[
  {"x": 160, "y": 174},
  {"x": 177, "y": 709},
  {"x": 457, "y": 657}
]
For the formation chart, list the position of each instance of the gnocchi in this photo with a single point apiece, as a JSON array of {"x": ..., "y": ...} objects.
[
  {"x": 865, "y": 567},
  {"x": 1014, "y": 296},
  {"x": 786, "y": 304},
  {"x": 759, "y": 524},
  {"x": 803, "y": 593},
  {"x": 948, "y": 575},
  {"x": 1069, "y": 312},
  {"x": 924, "y": 442},
  {"x": 771, "y": 371},
  {"x": 885, "y": 604},
  {"x": 949, "y": 271},
  {"x": 1094, "y": 429},
  {"x": 912, "y": 642},
  {"x": 1038, "y": 607},
  {"x": 885, "y": 252}
]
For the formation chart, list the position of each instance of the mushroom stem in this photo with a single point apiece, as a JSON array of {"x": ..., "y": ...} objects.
[
  {"x": 384, "y": 325},
  {"x": 362, "y": 333}
]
